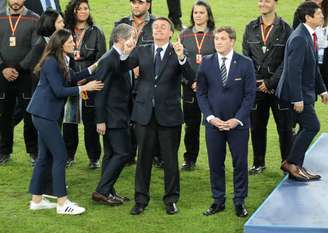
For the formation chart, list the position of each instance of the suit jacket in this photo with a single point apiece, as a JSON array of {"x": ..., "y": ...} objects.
[
  {"x": 236, "y": 98},
  {"x": 165, "y": 90},
  {"x": 36, "y": 6},
  {"x": 113, "y": 102},
  {"x": 50, "y": 94},
  {"x": 301, "y": 79}
]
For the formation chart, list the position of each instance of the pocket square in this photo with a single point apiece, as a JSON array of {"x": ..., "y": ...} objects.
[{"x": 237, "y": 79}]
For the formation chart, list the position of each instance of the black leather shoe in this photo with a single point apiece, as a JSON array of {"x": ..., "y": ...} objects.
[
  {"x": 4, "y": 158},
  {"x": 256, "y": 170},
  {"x": 241, "y": 210},
  {"x": 214, "y": 208},
  {"x": 137, "y": 209},
  {"x": 102, "y": 199},
  {"x": 188, "y": 166},
  {"x": 158, "y": 162},
  {"x": 310, "y": 174},
  {"x": 94, "y": 165},
  {"x": 121, "y": 198},
  {"x": 171, "y": 208}
]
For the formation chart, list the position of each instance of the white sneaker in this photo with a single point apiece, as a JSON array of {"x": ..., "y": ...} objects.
[
  {"x": 70, "y": 208},
  {"x": 43, "y": 204}
]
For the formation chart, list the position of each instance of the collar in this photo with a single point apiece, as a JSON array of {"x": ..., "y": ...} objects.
[
  {"x": 228, "y": 56},
  {"x": 310, "y": 30},
  {"x": 194, "y": 30},
  {"x": 119, "y": 51},
  {"x": 24, "y": 11},
  {"x": 67, "y": 59},
  {"x": 164, "y": 47},
  {"x": 146, "y": 17}
]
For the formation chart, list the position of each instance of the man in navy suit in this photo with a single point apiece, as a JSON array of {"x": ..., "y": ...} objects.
[
  {"x": 113, "y": 116},
  {"x": 299, "y": 85},
  {"x": 226, "y": 92}
]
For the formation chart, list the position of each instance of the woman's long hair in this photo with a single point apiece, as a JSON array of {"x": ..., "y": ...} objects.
[
  {"x": 70, "y": 14},
  {"x": 46, "y": 24},
  {"x": 210, "y": 21},
  {"x": 55, "y": 49}
]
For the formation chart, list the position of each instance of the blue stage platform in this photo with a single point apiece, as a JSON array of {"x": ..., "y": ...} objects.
[{"x": 297, "y": 207}]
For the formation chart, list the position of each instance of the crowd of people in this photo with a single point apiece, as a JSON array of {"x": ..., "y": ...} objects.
[{"x": 56, "y": 73}]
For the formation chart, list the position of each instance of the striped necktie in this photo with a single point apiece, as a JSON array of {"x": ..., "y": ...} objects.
[{"x": 223, "y": 71}]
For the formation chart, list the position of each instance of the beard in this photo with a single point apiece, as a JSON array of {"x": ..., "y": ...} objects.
[{"x": 16, "y": 6}]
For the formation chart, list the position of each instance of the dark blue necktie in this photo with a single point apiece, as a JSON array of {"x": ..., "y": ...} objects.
[
  {"x": 223, "y": 71},
  {"x": 158, "y": 60}
]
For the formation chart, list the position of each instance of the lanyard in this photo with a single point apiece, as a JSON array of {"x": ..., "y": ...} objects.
[
  {"x": 12, "y": 27},
  {"x": 138, "y": 27},
  {"x": 265, "y": 38},
  {"x": 199, "y": 45},
  {"x": 79, "y": 38}
]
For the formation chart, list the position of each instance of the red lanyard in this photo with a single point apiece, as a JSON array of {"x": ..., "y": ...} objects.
[
  {"x": 199, "y": 45},
  {"x": 12, "y": 27}
]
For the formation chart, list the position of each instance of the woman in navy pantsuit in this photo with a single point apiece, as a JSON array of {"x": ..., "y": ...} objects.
[{"x": 46, "y": 107}]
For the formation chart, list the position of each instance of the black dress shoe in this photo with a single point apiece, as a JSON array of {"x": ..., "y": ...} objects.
[
  {"x": 137, "y": 209},
  {"x": 102, "y": 199},
  {"x": 241, "y": 210},
  {"x": 171, "y": 208},
  {"x": 256, "y": 170},
  {"x": 158, "y": 162},
  {"x": 94, "y": 165},
  {"x": 188, "y": 166},
  {"x": 70, "y": 162},
  {"x": 214, "y": 208}
]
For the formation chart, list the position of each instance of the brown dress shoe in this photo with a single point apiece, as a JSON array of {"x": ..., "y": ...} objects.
[
  {"x": 102, "y": 199},
  {"x": 295, "y": 172},
  {"x": 121, "y": 198},
  {"x": 310, "y": 174}
]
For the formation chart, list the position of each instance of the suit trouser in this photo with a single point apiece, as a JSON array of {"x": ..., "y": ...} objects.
[
  {"x": 7, "y": 107},
  {"x": 91, "y": 137},
  {"x": 169, "y": 141},
  {"x": 52, "y": 155},
  {"x": 192, "y": 119},
  {"x": 174, "y": 7},
  {"x": 216, "y": 146},
  {"x": 260, "y": 115},
  {"x": 309, "y": 126}
]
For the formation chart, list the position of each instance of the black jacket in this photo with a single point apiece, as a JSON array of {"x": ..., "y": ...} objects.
[
  {"x": 36, "y": 6},
  {"x": 113, "y": 102},
  {"x": 268, "y": 65},
  {"x": 166, "y": 89}
]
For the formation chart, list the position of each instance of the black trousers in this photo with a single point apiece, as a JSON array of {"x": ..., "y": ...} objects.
[
  {"x": 309, "y": 126},
  {"x": 91, "y": 137},
  {"x": 116, "y": 154},
  {"x": 260, "y": 115},
  {"x": 174, "y": 7},
  {"x": 7, "y": 106},
  {"x": 192, "y": 119},
  {"x": 169, "y": 141}
]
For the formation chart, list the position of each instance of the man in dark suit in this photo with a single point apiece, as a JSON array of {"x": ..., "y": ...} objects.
[
  {"x": 226, "y": 92},
  {"x": 113, "y": 116},
  {"x": 157, "y": 111},
  {"x": 39, "y": 6},
  {"x": 299, "y": 84}
]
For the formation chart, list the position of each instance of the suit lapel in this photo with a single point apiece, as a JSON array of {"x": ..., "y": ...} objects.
[
  {"x": 310, "y": 40},
  {"x": 166, "y": 57},
  {"x": 232, "y": 70}
]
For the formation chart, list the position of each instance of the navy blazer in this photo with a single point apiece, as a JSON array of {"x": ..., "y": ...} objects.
[
  {"x": 36, "y": 6},
  {"x": 113, "y": 103},
  {"x": 301, "y": 79},
  {"x": 236, "y": 98},
  {"x": 50, "y": 94}
]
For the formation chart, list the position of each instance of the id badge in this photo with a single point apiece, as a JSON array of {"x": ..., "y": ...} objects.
[
  {"x": 12, "y": 41},
  {"x": 264, "y": 49},
  {"x": 199, "y": 59}
]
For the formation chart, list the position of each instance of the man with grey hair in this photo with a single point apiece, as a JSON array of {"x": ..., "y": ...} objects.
[{"x": 112, "y": 116}]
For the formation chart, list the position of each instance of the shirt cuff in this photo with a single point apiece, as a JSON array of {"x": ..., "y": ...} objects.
[
  {"x": 209, "y": 118},
  {"x": 182, "y": 62},
  {"x": 324, "y": 93},
  {"x": 79, "y": 89},
  {"x": 297, "y": 102},
  {"x": 90, "y": 71},
  {"x": 240, "y": 123}
]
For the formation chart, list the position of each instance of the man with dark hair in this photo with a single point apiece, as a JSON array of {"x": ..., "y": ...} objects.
[
  {"x": 299, "y": 85},
  {"x": 112, "y": 117},
  {"x": 17, "y": 36},
  {"x": 157, "y": 111},
  {"x": 226, "y": 91},
  {"x": 39, "y": 6},
  {"x": 296, "y": 20},
  {"x": 267, "y": 53}
]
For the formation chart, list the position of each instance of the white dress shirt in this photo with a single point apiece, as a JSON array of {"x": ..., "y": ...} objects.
[{"x": 44, "y": 6}]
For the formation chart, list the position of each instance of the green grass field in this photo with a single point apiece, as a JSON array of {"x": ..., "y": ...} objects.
[{"x": 195, "y": 187}]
